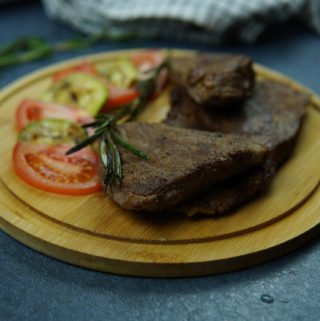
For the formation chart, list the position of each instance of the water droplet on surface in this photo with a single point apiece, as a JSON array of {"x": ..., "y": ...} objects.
[{"x": 266, "y": 298}]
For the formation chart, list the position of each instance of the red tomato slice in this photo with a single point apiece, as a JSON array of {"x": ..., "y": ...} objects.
[
  {"x": 85, "y": 66},
  {"x": 47, "y": 168},
  {"x": 161, "y": 81},
  {"x": 30, "y": 110},
  {"x": 148, "y": 59},
  {"x": 119, "y": 97}
]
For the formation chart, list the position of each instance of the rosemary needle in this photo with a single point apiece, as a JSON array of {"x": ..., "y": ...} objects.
[
  {"x": 84, "y": 143},
  {"x": 120, "y": 141},
  {"x": 116, "y": 160},
  {"x": 103, "y": 154}
]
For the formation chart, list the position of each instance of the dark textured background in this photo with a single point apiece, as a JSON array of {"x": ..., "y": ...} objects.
[{"x": 36, "y": 287}]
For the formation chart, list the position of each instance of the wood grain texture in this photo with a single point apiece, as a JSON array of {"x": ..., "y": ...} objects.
[{"x": 94, "y": 232}]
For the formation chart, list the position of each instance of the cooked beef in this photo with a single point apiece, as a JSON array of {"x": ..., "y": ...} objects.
[
  {"x": 215, "y": 80},
  {"x": 229, "y": 194},
  {"x": 182, "y": 163},
  {"x": 273, "y": 115}
]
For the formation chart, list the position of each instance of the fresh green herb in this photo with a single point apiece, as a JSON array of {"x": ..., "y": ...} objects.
[
  {"x": 120, "y": 141},
  {"x": 105, "y": 127},
  {"x": 33, "y": 48},
  {"x": 24, "y": 50}
]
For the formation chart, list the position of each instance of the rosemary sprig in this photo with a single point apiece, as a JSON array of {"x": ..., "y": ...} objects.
[
  {"x": 103, "y": 123},
  {"x": 105, "y": 127},
  {"x": 33, "y": 48},
  {"x": 24, "y": 43},
  {"x": 24, "y": 51}
]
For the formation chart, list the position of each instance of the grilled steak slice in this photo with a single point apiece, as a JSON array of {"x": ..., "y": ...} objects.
[
  {"x": 215, "y": 80},
  {"x": 229, "y": 194},
  {"x": 273, "y": 115},
  {"x": 182, "y": 163}
]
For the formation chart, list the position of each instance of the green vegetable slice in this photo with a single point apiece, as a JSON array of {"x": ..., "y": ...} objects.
[
  {"x": 121, "y": 73},
  {"x": 78, "y": 90},
  {"x": 53, "y": 131}
]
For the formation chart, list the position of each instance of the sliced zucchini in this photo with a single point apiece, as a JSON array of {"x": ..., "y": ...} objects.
[
  {"x": 78, "y": 90},
  {"x": 120, "y": 73},
  {"x": 52, "y": 131}
]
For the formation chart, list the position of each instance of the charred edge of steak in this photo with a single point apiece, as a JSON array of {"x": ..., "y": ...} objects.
[{"x": 216, "y": 80}]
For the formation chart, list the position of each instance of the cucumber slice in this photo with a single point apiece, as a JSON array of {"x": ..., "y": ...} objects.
[
  {"x": 120, "y": 73},
  {"x": 78, "y": 90},
  {"x": 52, "y": 131}
]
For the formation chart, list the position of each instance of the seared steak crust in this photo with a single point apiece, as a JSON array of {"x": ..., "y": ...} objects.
[
  {"x": 182, "y": 163},
  {"x": 273, "y": 115},
  {"x": 215, "y": 80},
  {"x": 229, "y": 194}
]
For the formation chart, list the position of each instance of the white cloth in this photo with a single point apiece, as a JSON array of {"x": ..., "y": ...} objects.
[{"x": 199, "y": 20}]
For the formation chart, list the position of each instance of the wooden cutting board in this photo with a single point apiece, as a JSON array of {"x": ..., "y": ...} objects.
[{"x": 93, "y": 232}]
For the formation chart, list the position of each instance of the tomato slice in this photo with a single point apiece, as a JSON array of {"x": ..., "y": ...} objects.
[
  {"x": 46, "y": 167},
  {"x": 148, "y": 59},
  {"x": 30, "y": 110},
  {"x": 119, "y": 97},
  {"x": 85, "y": 67}
]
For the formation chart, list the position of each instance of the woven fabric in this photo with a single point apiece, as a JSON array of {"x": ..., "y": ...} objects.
[{"x": 194, "y": 20}]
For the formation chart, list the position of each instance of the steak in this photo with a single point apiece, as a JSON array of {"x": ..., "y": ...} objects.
[
  {"x": 233, "y": 192},
  {"x": 182, "y": 163},
  {"x": 273, "y": 115},
  {"x": 215, "y": 80}
]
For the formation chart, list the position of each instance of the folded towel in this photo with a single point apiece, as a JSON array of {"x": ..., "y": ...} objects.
[{"x": 208, "y": 21}]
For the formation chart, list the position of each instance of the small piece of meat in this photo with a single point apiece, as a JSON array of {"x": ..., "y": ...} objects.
[
  {"x": 273, "y": 115},
  {"x": 182, "y": 163},
  {"x": 235, "y": 191},
  {"x": 215, "y": 80}
]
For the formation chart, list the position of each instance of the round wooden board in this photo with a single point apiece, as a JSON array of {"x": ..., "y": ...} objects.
[{"x": 93, "y": 232}]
